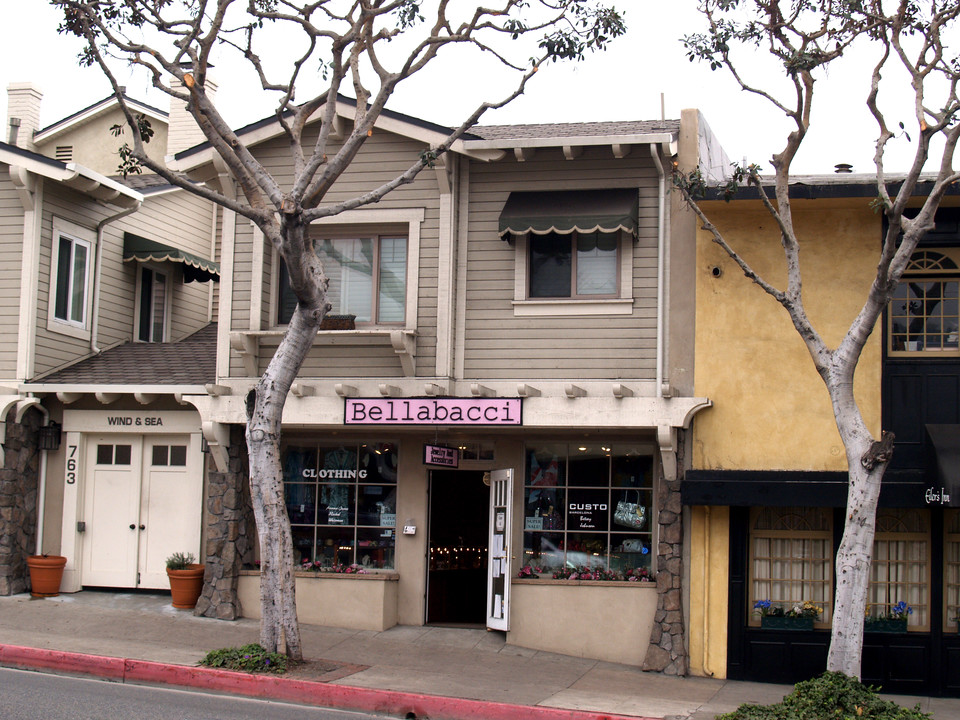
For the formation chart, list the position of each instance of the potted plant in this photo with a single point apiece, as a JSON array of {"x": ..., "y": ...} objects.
[
  {"x": 799, "y": 616},
  {"x": 46, "y": 571},
  {"x": 186, "y": 580},
  {"x": 894, "y": 620}
]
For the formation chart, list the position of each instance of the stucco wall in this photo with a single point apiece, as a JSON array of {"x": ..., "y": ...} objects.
[{"x": 771, "y": 410}]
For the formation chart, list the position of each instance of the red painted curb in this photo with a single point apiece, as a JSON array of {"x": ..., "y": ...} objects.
[{"x": 305, "y": 692}]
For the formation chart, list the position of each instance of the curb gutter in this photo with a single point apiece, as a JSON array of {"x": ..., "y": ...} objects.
[{"x": 345, "y": 697}]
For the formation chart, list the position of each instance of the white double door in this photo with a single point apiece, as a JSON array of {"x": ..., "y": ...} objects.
[{"x": 142, "y": 502}]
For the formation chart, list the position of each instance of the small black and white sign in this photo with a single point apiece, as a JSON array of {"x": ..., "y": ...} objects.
[{"x": 441, "y": 456}]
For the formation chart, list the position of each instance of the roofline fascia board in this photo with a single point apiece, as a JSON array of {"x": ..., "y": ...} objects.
[
  {"x": 77, "y": 177},
  {"x": 90, "y": 388},
  {"x": 575, "y": 141},
  {"x": 58, "y": 128}
]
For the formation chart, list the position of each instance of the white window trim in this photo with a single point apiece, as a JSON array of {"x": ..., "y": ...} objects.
[
  {"x": 167, "y": 300},
  {"x": 411, "y": 217},
  {"x": 523, "y": 306},
  {"x": 84, "y": 236}
]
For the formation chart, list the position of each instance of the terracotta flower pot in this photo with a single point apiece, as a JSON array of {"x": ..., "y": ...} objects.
[
  {"x": 186, "y": 586},
  {"x": 46, "y": 571}
]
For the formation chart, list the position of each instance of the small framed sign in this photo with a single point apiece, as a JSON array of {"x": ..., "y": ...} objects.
[{"x": 441, "y": 456}]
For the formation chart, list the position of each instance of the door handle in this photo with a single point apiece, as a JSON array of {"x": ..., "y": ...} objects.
[
  {"x": 133, "y": 526},
  {"x": 143, "y": 527}
]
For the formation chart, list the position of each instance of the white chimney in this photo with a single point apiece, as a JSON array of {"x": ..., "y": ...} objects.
[
  {"x": 182, "y": 130},
  {"x": 23, "y": 114}
]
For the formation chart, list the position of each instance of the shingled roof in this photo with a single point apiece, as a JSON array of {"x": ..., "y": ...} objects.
[
  {"x": 572, "y": 130},
  {"x": 191, "y": 361}
]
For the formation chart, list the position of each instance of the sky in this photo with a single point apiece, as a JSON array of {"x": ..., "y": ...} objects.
[{"x": 645, "y": 75}]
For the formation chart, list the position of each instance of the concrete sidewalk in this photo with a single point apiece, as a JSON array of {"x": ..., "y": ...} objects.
[{"x": 429, "y": 671}]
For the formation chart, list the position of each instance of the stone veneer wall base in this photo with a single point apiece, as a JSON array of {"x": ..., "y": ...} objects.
[{"x": 19, "y": 480}]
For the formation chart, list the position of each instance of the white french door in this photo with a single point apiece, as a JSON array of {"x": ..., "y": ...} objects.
[{"x": 498, "y": 564}]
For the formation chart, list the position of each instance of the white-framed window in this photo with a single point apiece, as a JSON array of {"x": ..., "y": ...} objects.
[
  {"x": 901, "y": 565},
  {"x": 791, "y": 559},
  {"x": 71, "y": 270},
  {"x": 924, "y": 316},
  {"x": 372, "y": 258},
  {"x": 573, "y": 274},
  {"x": 153, "y": 304},
  {"x": 367, "y": 276}
]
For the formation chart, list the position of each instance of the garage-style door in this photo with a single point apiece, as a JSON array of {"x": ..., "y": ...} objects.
[{"x": 141, "y": 504}]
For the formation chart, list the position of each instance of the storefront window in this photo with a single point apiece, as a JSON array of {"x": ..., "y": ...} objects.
[
  {"x": 588, "y": 506},
  {"x": 342, "y": 502},
  {"x": 901, "y": 565},
  {"x": 951, "y": 584},
  {"x": 791, "y": 559}
]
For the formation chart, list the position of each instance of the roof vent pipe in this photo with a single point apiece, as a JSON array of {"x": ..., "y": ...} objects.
[{"x": 840, "y": 168}]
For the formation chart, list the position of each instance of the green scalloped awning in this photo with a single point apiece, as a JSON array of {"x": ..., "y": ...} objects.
[
  {"x": 140, "y": 249},
  {"x": 566, "y": 211}
]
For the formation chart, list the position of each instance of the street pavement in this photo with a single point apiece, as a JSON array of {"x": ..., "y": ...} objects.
[{"x": 407, "y": 672}]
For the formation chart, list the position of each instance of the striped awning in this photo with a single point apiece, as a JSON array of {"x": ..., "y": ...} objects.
[
  {"x": 140, "y": 249},
  {"x": 566, "y": 211}
]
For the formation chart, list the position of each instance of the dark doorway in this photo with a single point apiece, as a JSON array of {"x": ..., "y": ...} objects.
[{"x": 457, "y": 576}]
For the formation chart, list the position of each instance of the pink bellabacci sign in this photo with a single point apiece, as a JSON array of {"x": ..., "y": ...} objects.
[{"x": 432, "y": 411}]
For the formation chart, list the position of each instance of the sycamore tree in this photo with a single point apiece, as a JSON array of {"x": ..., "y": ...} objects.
[
  {"x": 904, "y": 39},
  {"x": 317, "y": 48}
]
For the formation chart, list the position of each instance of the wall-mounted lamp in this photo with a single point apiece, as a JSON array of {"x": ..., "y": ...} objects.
[{"x": 49, "y": 437}]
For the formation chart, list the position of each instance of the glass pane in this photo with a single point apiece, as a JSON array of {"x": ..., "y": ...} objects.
[
  {"x": 178, "y": 455},
  {"x": 378, "y": 463},
  {"x": 632, "y": 466},
  {"x": 104, "y": 454},
  {"x": 588, "y": 509},
  {"x": 543, "y": 508},
  {"x": 159, "y": 307},
  {"x": 299, "y": 464},
  {"x": 349, "y": 265},
  {"x": 550, "y": 265},
  {"x": 302, "y": 544},
  {"x": 597, "y": 264},
  {"x": 77, "y": 288},
  {"x": 122, "y": 455},
  {"x": 377, "y": 505},
  {"x": 160, "y": 455},
  {"x": 63, "y": 279},
  {"x": 586, "y": 550},
  {"x": 146, "y": 296},
  {"x": 590, "y": 464},
  {"x": 301, "y": 501},
  {"x": 287, "y": 302},
  {"x": 375, "y": 548},
  {"x": 543, "y": 551},
  {"x": 334, "y": 546},
  {"x": 392, "y": 294},
  {"x": 924, "y": 316},
  {"x": 630, "y": 552}
]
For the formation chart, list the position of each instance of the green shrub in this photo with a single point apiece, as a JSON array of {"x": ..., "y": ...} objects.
[
  {"x": 832, "y": 696},
  {"x": 249, "y": 658}
]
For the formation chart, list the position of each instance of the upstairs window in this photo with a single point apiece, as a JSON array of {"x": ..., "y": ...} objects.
[
  {"x": 924, "y": 316},
  {"x": 575, "y": 265},
  {"x": 152, "y": 315},
  {"x": 71, "y": 264},
  {"x": 368, "y": 278}
]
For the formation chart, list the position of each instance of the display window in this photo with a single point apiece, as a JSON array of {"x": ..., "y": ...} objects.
[
  {"x": 588, "y": 509},
  {"x": 342, "y": 499}
]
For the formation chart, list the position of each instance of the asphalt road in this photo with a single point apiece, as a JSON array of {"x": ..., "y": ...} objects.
[{"x": 26, "y": 695}]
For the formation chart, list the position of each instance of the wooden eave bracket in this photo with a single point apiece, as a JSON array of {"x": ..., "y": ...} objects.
[
  {"x": 621, "y": 391},
  {"x": 217, "y": 436},
  {"x": 478, "y": 390},
  {"x": 572, "y": 152},
  {"x": 574, "y": 391},
  {"x": 667, "y": 441},
  {"x": 105, "y": 398},
  {"x": 344, "y": 390},
  {"x": 432, "y": 389},
  {"x": 522, "y": 154},
  {"x": 145, "y": 398},
  {"x": 68, "y": 398},
  {"x": 388, "y": 390},
  {"x": 621, "y": 151},
  {"x": 248, "y": 347},
  {"x": 405, "y": 345},
  {"x": 524, "y": 390}
]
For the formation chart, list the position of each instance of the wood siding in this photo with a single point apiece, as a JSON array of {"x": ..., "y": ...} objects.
[
  {"x": 383, "y": 157},
  {"x": 11, "y": 253},
  {"x": 499, "y": 345}
]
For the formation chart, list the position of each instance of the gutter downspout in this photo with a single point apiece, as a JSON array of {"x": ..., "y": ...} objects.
[
  {"x": 22, "y": 407},
  {"x": 95, "y": 320},
  {"x": 662, "y": 380}
]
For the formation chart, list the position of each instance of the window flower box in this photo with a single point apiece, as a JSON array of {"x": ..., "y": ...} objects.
[
  {"x": 885, "y": 625},
  {"x": 771, "y": 622}
]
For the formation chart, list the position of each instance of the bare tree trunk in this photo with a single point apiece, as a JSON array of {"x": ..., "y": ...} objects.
[{"x": 279, "y": 630}]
